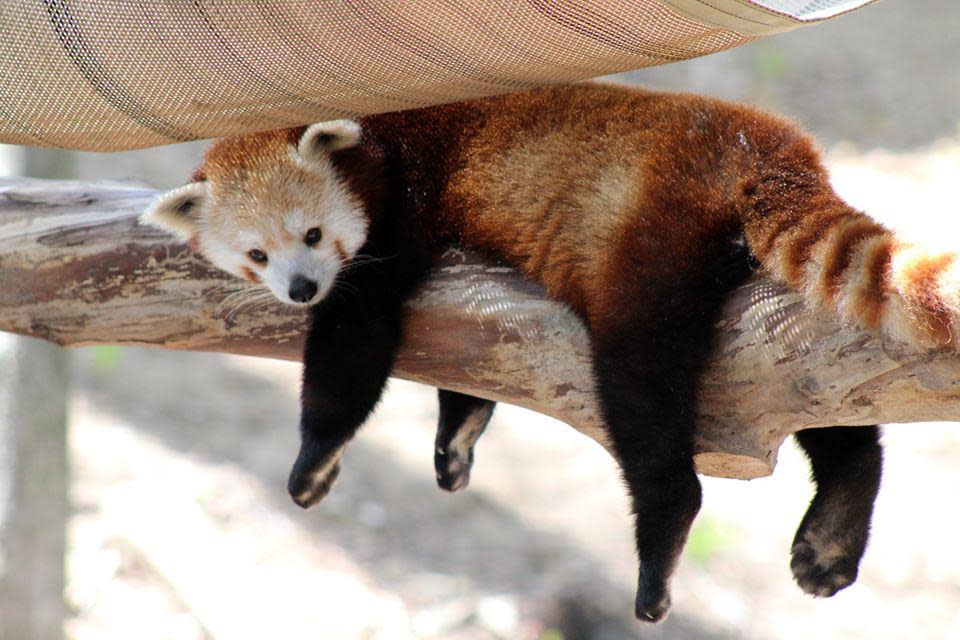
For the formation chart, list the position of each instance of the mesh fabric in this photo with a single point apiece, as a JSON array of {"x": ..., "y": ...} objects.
[{"x": 122, "y": 74}]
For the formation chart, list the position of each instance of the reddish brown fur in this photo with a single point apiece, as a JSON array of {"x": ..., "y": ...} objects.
[
  {"x": 840, "y": 253},
  {"x": 582, "y": 185},
  {"x": 922, "y": 279},
  {"x": 233, "y": 156},
  {"x": 603, "y": 194},
  {"x": 250, "y": 275},
  {"x": 341, "y": 251},
  {"x": 810, "y": 232},
  {"x": 630, "y": 207},
  {"x": 872, "y": 295}
]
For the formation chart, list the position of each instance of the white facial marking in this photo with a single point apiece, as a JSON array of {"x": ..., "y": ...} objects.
[
  {"x": 224, "y": 255},
  {"x": 296, "y": 222},
  {"x": 319, "y": 264},
  {"x": 329, "y": 207}
]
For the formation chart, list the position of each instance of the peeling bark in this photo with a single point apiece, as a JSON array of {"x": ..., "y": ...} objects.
[{"x": 76, "y": 269}]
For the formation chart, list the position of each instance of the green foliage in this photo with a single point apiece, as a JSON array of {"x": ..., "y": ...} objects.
[
  {"x": 770, "y": 62},
  {"x": 707, "y": 537},
  {"x": 106, "y": 359}
]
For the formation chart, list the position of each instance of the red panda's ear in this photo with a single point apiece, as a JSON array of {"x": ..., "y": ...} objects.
[
  {"x": 324, "y": 137},
  {"x": 179, "y": 210}
]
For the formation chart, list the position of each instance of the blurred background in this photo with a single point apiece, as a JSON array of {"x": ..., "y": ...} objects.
[{"x": 179, "y": 526}]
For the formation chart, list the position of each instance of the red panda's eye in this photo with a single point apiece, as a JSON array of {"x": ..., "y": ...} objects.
[
  {"x": 257, "y": 256},
  {"x": 312, "y": 236}
]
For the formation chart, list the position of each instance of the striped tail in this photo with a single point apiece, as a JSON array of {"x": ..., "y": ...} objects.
[{"x": 843, "y": 261}]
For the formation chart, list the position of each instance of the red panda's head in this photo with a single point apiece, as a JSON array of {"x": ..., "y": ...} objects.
[{"x": 272, "y": 208}]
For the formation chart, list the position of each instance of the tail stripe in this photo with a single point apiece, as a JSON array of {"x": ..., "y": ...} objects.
[
  {"x": 869, "y": 291},
  {"x": 836, "y": 257},
  {"x": 796, "y": 254},
  {"x": 842, "y": 249},
  {"x": 782, "y": 225}
]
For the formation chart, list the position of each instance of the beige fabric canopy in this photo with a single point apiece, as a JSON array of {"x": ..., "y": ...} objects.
[{"x": 121, "y": 74}]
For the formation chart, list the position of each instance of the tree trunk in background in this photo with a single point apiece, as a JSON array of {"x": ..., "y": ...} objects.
[
  {"x": 34, "y": 471},
  {"x": 32, "y": 533}
]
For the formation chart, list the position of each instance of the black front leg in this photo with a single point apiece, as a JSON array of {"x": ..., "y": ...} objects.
[
  {"x": 348, "y": 356},
  {"x": 462, "y": 421}
]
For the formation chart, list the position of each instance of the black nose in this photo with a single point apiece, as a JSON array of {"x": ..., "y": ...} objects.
[{"x": 302, "y": 290}]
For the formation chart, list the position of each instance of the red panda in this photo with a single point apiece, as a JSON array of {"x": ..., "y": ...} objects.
[{"x": 640, "y": 210}]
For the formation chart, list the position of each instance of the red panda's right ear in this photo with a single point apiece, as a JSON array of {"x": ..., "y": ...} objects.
[
  {"x": 179, "y": 210},
  {"x": 325, "y": 137}
]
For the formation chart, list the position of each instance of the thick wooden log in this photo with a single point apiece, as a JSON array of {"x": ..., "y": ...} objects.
[{"x": 77, "y": 269}]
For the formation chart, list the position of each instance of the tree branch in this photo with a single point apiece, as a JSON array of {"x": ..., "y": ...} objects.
[{"x": 76, "y": 269}]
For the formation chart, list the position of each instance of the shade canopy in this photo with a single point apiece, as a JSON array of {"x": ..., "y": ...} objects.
[{"x": 108, "y": 75}]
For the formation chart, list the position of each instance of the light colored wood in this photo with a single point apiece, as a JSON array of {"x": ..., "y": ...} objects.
[{"x": 76, "y": 269}]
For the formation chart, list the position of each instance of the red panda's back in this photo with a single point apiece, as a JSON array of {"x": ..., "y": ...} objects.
[{"x": 569, "y": 182}]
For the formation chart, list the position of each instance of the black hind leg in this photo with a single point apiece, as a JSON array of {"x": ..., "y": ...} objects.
[
  {"x": 649, "y": 354},
  {"x": 846, "y": 466},
  {"x": 463, "y": 419},
  {"x": 649, "y": 415}
]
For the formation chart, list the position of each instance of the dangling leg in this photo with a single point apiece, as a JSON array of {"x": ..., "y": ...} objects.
[
  {"x": 649, "y": 354},
  {"x": 649, "y": 416},
  {"x": 463, "y": 419},
  {"x": 345, "y": 368},
  {"x": 846, "y": 467},
  {"x": 348, "y": 356}
]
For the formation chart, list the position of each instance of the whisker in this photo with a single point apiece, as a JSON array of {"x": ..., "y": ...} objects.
[
  {"x": 240, "y": 299},
  {"x": 362, "y": 259},
  {"x": 349, "y": 286}
]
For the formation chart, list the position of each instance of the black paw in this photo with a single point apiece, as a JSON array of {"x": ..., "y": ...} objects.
[
  {"x": 453, "y": 469},
  {"x": 821, "y": 568},
  {"x": 652, "y": 604},
  {"x": 312, "y": 476}
]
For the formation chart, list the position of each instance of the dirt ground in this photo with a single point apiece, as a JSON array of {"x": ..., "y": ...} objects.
[{"x": 183, "y": 530}]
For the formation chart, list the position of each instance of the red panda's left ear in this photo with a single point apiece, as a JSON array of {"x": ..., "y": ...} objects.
[{"x": 325, "y": 137}]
